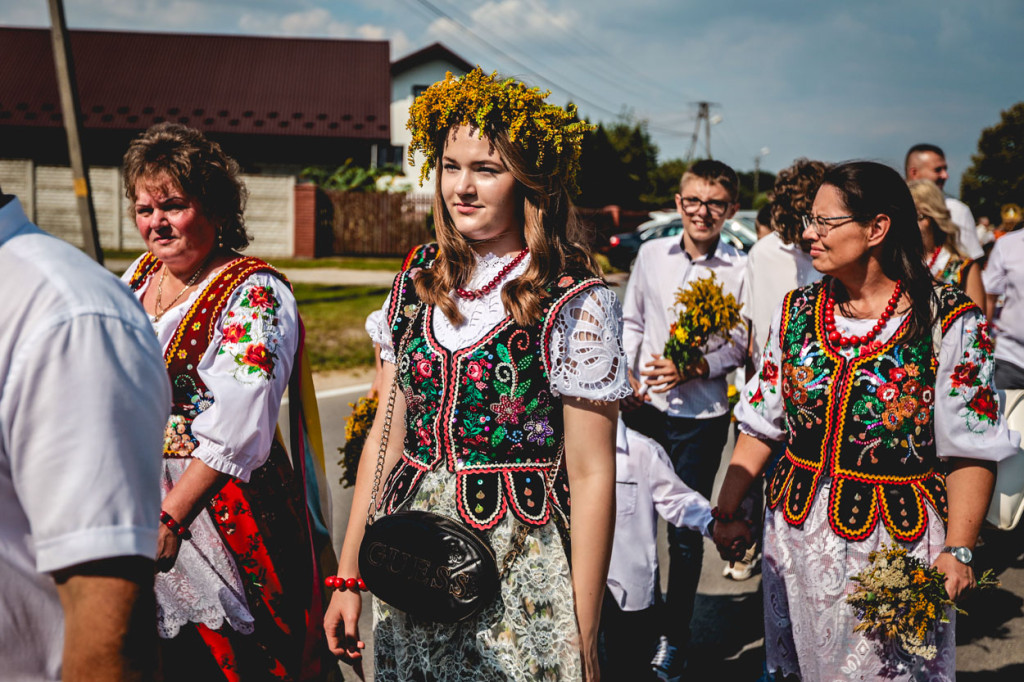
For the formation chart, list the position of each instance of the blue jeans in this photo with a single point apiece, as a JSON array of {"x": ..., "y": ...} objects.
[{"x": 695, "y": 448}]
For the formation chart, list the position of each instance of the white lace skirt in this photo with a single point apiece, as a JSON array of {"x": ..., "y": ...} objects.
[
  {"x": 809, "y": 625},
  {"x": 204, "y": 586},
  {"x": 528, "y": 633}
]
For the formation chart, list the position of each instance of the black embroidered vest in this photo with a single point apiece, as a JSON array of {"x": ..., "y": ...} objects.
[
  {"x": 486, "y": 411},
  {"x": 190, "y": 395},
  {"x": 866, "y": 422}
]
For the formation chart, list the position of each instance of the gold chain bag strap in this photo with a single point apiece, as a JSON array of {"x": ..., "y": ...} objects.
[{"x": 430, "y": 566}]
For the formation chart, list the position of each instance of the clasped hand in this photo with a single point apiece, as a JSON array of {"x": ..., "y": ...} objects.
[
  {"x": 660, "y": 376},
  {"x": 732, "y": 538}
]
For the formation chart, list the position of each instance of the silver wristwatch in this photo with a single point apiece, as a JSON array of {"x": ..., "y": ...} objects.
[{"x": 962, "y": 554}]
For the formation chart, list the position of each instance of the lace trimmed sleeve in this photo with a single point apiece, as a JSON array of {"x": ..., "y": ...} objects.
[
  {"x": 585, "y": 352},
  {"x": 380, "y": 333}
]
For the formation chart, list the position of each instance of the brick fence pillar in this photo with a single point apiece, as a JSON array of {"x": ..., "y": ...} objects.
[{"x": 305, "y": 221}]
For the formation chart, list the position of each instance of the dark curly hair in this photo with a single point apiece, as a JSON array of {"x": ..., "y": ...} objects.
[
  {"x": 792, "y": 197},
  {"x": 199, "y": 167}
]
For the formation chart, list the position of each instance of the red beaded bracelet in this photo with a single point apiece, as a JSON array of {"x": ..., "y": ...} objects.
[
  {"x": 719, "y": 515},
  {"x": 176, "y": 528},
  {"x": 339, "y": 583}
]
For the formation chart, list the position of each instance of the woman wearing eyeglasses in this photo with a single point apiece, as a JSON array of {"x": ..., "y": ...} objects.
[{"x": 877, "y": 380}]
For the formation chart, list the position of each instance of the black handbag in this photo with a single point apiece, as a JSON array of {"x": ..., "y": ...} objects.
[{"x": 429, "y": 566}]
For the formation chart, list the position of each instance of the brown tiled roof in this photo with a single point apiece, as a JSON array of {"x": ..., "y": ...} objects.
[
  {"x": 221, "y": 84},
  {"x": 432, "y": 52}
]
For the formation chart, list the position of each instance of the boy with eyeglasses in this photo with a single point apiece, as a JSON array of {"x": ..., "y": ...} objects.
[{"x": 685, "y": 409}]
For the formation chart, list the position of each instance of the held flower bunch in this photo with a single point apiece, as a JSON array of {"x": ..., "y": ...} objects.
[
  {"x": 357, "y": 428},
  {"x": 705, "y": 313},
  {"x": 550, "y": 134},
  {"x": 899, "y": 598}
]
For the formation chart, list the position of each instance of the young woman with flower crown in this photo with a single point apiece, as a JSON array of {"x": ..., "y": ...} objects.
[{"x": 513, "y": 336}]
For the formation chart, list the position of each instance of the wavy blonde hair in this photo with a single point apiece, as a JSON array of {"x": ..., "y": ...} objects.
[
  {"x": 931, "y": 202},
  {"x": 550, "y": 228}
]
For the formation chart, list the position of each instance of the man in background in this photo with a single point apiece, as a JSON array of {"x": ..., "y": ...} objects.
[
  {"x": 84, "y": 398},
  {"x": 928, "y": 162}
]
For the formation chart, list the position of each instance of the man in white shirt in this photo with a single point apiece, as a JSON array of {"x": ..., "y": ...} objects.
[
  {"x": 1004, "y": 277},
  {"x": 928, "y": 162},
  {"x": 685, "y": 409},
  {"x": 84, "y": 398}
]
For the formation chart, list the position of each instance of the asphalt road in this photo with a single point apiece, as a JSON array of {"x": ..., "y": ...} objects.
[{"x": 727, "y": 629}]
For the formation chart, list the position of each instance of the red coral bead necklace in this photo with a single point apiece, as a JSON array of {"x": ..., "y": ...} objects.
[
  {"x": 470, "y": 294},
  {"x": 867, "y": 340},
  {"x": 935, "y": 256}
]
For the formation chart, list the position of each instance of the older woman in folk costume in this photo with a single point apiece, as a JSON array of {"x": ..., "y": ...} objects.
[
  {"x": 878, "y": 381},
  {"x": 515, "y": 340},
  {"x": 238, "y": 570},
  {"x": 945, "y": 257}
]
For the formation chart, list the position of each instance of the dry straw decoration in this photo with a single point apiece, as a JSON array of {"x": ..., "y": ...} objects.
[{"x": 545, "y": 132}]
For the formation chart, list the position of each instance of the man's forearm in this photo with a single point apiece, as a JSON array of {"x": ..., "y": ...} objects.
[{"x": 109, "y": 620}]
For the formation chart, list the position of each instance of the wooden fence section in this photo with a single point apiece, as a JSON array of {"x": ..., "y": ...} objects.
[{"x": 376, "y": 223}]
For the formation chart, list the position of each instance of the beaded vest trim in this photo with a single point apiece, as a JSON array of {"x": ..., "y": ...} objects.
[
  {"x": 866, "y": 422},
  {"x": 486, "y": 410},
  {"x": 190, "y": 395}
]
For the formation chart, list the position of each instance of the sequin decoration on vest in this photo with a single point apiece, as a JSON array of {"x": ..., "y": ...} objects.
[
  {"x": 486, "y": 411},
  {"x": 866, "y": 422}
]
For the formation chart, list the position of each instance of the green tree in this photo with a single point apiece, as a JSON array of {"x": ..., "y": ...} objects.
[
  {"x": 996, "y": 175},
  {"x": 665, "y": 184},
  {"x": 617, "y": 162},
  {"x": 765, "y": 181},
  {"x": 347, "y": 177}
]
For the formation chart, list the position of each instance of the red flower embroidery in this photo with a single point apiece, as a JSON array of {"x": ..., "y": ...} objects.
[
  {"x": 565, "y": 281},
  {"x": 769, "y": 371},
  {"x": 888, "y": 392},
  {"x": 507, "y": 409},
  {"x": 965, "y": 374},
  {"x": 474, "y": 371},
  {"x": 261, "y": 297},
  {"x": 897, "y": 374},
  {"x": 233, "y": 333},
  {"x": 423, "y": 368},
  {"x": 256, "y": 355},
  {"x": 984, "y": 403},
  {"x": 984, "y": 339}
]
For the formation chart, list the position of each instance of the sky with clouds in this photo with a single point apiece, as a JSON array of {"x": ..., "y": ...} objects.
[{"x": 827, "y": 79}]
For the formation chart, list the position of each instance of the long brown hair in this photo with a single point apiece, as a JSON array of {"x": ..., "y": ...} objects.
[{"x": 550, "y": 228}]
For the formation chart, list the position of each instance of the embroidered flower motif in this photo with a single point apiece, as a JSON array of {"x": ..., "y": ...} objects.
[
  {"x": 178, "y": 440},
  {"x": 261, "y": 297},
  {"x": 897, "y": 374},
  {"x": 985, "y": 404},
  {"x": 888, "y": 392},
  {"x": 507, "y": 409},
  {"x": 565, "y": 281},
  {"x": 537, "y": 431},
  {"x": 769, "y": 371},
  {"x": 234, "y": 333},
  {"x": 965, "y": 374},
  {"x": 201, "y": 402},
  {"x": 474, "y": 371},
  {"x": 907, "y": 405},
  {"x": 983, "y": 340},
  {"x": 423, "y": 368},
  {"x": 258, "y": 358}
]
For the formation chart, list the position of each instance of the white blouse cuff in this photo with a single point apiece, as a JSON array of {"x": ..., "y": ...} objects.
[{"x": 213, "y": 457}]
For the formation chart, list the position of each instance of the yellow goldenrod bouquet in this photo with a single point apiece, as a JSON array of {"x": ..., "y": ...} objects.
[
  {"x": 704, "y": 313},
  {"x": 357, "y": 427},
  {"x": 900, "y": 598}
]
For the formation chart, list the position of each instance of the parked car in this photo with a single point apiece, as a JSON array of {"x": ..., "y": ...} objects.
[{"x": 622, "y": 248}]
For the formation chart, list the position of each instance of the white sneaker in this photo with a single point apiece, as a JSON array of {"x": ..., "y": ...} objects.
[
  {"x": 666, "y": 664},
  {"x": 742, "y": 570}
]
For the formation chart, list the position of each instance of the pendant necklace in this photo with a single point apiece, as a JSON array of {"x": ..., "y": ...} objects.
[{"x": 160, "y": 310}]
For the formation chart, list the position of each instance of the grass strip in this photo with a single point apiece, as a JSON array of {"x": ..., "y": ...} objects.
[{"x": 335, "y": 317}]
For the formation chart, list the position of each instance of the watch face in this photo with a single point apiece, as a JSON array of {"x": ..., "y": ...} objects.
[{"x": 962, "y": 554}]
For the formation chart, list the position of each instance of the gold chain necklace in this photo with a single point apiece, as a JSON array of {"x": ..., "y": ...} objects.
[{"x": 160, "y": 310}]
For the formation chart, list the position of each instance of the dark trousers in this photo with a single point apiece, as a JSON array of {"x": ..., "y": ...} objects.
[
  {"x": 627, "y": 641},
  {"x": 1008, "y": 375},
  {"x": 695, "y": 448}
]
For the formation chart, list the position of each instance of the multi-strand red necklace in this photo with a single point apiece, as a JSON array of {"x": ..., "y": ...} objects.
[
  {"x": 470, "y": 294},
  {"x": 935, "y": 256},
  {"x": 868, "y": 340}
]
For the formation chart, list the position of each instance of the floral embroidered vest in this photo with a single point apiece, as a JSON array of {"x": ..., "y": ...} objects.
[
  {"x": 486, "y": 411},
  {"x": 955, "y": 271},
  {"x": 190, "y": 396},
  {"x": 866, "y": 422}
]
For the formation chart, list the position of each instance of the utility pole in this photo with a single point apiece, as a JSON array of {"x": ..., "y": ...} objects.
[
  {"x": 703, "y": 115},
  {"x": 68, "y": 87},
  {"x": 757, "y": 167}
]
